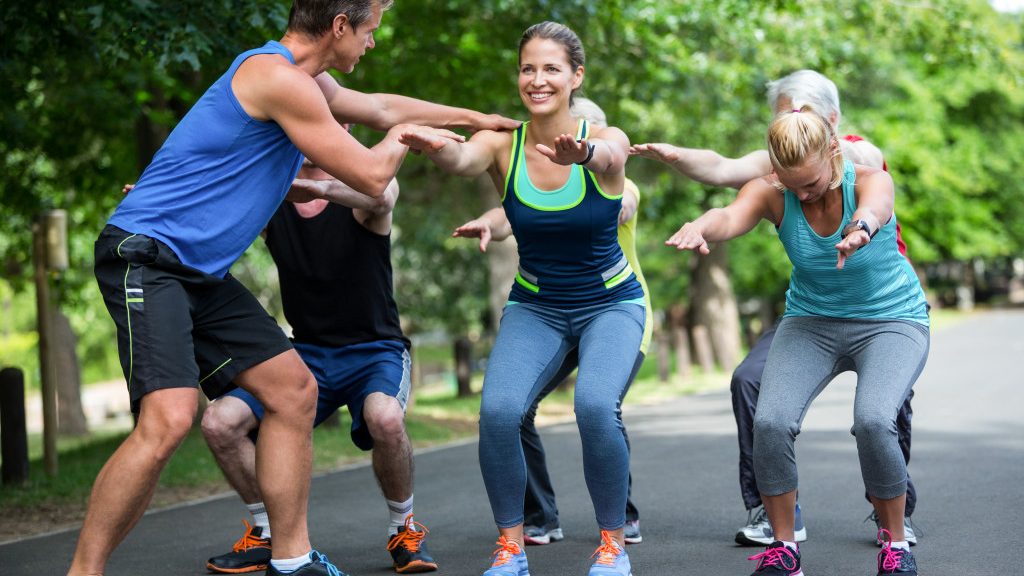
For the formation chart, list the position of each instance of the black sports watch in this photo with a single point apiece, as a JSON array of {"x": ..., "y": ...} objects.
[{"x": 855, "y": 225}]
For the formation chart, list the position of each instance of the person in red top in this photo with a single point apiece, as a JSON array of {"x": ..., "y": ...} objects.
[{"x": 709, "y": 167}]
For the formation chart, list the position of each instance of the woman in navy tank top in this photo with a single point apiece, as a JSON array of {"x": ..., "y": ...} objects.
[{"x": 560, "y": 182}]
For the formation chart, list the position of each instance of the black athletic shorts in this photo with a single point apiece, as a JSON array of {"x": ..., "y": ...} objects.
[{"x": 178, "y": 327}]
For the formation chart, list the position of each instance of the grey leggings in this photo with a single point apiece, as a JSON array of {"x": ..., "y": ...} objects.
[{"x": 808, "y": 352}]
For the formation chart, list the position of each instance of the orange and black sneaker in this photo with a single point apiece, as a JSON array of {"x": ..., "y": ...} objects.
[
  {"x": 409, "y": 551},
  {"x": 250, "y": 554}
]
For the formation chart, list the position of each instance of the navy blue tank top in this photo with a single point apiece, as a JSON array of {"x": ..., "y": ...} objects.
[
  {"x": 569, "y": 254},
  {"x": 216, "y": 181}
]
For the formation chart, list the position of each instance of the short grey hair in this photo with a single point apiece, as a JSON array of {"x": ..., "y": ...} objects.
[
  {"x": 586, "y": 109},
  {"x": 806, "y": 87}
]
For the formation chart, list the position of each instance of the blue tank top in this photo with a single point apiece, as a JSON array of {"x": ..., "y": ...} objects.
[
  {"x": 216, "y": 181},
  {"x": 877, "y": 282},
  {"x": 569, "y": 253}
]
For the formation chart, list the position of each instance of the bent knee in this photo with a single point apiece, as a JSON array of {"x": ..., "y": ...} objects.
[
  {"x": 294, "y": 397},
  {"x": 385, "y": 420},
  {"x": 772, "y": 429},
  {"x": 873, "y": 426},
  {"x": 224, "y": 423}
]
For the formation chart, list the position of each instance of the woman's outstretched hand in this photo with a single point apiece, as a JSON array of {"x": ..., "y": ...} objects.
[
  {"x": 566, "y": 150},
  {"x": 478, "y": 228},
  {"x": 666, "y": 153},
  {"x": 689, "y": 237},
  {"x": 849, "y": 245}
]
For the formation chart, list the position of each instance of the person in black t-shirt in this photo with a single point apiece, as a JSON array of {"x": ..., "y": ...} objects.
[{"x": 334, "y": 264}]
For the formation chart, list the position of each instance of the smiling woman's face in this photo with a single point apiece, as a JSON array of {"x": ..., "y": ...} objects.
[{"x": 546, "y": 77}]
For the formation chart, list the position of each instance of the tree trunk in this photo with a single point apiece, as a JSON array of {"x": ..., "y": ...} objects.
[
  {"x": 149, "y": 136},
  {"x": 680, "y": 340},
  {"x": 662, "y": 346},
  {"x": 463, "y": 366},
  {"x": 714, "y": 305},
  {"x": 70, "y": 416}
]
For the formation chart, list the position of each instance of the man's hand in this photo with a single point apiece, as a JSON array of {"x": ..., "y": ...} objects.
[
  {"x": 478, "y": 228},
  {"x": 849, "y": 245},
  {"x": 495, "y": 122},
  {"x": 127, "y": 188},
  {"x": 689, "y": 237},
  {"x": 566, "y": 150},
  {"x": 666, "y": 153}
]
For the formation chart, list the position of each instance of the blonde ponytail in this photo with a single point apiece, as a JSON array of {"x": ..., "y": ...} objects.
[{"x": 796, "y": 136}]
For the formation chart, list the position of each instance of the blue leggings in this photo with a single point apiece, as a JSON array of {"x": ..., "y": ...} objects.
[{"x": 532, "y": 343}]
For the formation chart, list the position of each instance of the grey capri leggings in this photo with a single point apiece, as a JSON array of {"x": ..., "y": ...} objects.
[{"x": 808, "y": 352}]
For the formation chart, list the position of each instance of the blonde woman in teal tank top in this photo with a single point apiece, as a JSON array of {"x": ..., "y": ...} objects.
[
  {"x": 561, "y": 184},
  {"x": 854, "y": 303}
]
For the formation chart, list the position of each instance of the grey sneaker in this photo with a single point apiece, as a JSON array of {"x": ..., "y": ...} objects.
[
  {"x": 758, "y": 532},
  {"x": 908, "y": 529},
  {"x": 539, "y": 536},
  {"x": 631, "y": 532}
]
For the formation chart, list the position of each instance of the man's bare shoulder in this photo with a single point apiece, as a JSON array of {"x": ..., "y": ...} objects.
[{"x": 265, "y": 82}]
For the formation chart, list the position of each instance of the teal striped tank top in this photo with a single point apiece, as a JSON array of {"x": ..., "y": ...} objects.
[{"x": 877, "y": 282}]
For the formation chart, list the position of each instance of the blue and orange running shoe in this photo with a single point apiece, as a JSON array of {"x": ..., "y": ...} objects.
[
  {"x": 611, "y": 559},
  {"x": 251, "y": 553},
  {"x": 894, "y": 560},
  {"x": 408, "y": 549},
  {"x": 777, "y": 560},
  {"x": 508, "y": 560}
]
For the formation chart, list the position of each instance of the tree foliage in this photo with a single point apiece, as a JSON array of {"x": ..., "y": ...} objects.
[{"x": 92, "y": 85}]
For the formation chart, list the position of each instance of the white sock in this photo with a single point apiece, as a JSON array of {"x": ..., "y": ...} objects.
[
  {"x": 292, "y": 564},
  {"x": 791, "y": 545},
  {"x": 397, "y": 513},
  {"x": 904, "y": 545},
  {"x": 259, "y": 517}
]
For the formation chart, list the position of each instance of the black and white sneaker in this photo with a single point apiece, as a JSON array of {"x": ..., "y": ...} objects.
[
  {"x": 908, "y": 529},
  {"x": 539, "y": 536},
  {"x": 758, "y": 532}
]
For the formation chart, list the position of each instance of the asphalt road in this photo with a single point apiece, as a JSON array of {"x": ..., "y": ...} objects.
[{"x": 968, "y": 463}]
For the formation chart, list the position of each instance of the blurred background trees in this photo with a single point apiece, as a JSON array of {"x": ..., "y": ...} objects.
[{"x": 93, "y": 87}]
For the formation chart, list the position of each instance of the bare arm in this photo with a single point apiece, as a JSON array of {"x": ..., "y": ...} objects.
[
  {"x": 875, "y": 200},
  {"x": 707, "y": 166},
  {"x": 384, "y": 111},
  {"x": 753, "y": 203},
  {"x": 470, "y": 158},
  {"x": 269, "y": 88},
  {"x": 630, "y": 202},
  {"x": 491, "y": 225},
  {"x": 611, "y": 150},
  {"x": 336, "y": 191}
]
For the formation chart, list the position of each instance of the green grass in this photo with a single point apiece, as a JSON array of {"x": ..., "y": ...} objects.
[{"x": 192, "y": 466}]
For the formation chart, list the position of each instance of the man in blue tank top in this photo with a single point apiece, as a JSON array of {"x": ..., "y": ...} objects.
[{"x": 162, "y": 263}]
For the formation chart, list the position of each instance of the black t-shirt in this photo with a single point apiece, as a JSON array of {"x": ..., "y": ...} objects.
[{"x": 336, "y": 280}]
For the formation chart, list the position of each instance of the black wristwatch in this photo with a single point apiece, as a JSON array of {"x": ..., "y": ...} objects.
[{"x": 855, "y": 225}]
